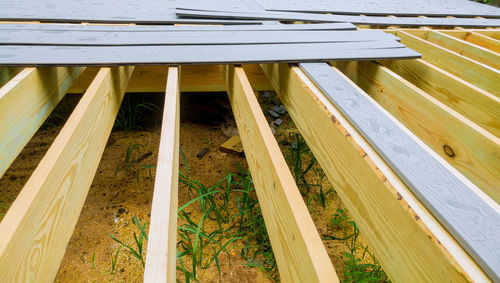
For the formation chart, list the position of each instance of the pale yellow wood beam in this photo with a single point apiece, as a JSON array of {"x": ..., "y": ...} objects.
[
  {"x": 475, "y": 38},
  {"x": 161, "y": 256},
  {"x": 493, "y": 33},
  {"x": 465, "y": 48},
  {"x": 38, "y": 226},
  {"x": 194, "y": 78},
  {"x": 466, "y": 146},
  {"x": 480, "y": 75},
  {"x": 25, "y": 102},
  {"x": 297, "y": 247},
  {"x": 408, "y": 241},
  {"x": 474, "y": 103}
]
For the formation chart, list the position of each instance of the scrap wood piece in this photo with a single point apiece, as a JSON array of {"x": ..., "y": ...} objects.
[
  {"x": 202, "y": 152},
  {"x": 469, "y": 215},
  {"x": 233, "y": 145}
]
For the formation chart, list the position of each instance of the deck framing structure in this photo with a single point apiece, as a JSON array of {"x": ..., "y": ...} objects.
[{"x": 449, "y": 99}]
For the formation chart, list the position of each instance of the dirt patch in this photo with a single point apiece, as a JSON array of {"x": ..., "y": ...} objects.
[{"x": 122, "y": 190}]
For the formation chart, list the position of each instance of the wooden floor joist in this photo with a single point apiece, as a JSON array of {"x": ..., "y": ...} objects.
[
  {"x": 479, "y": 74},
  {"x": 450, "y": 100},
  {"x": 465, "y": 48},
  {"x": 194, "y": 78},
  {"x": 7, "y": 73},
  {"x": 462, "y": 47},
  {"x": 466, "y": 146},
  {"x": 161, "y": 256},
  {"x": 297, "y": 247},
  {"x": 475, "y": 38},
  {"x": 478, "y": 105},
  {"x": 492, "y": 33},
  {"x": 39, "y": 224},
  {"x": 453, "y": 199},
  {"x": 25, "y": 102},
  {"x": 409, "y": 242}
]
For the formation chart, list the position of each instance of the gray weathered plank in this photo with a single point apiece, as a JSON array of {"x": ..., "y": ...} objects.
[
  {"x": 367, "y": 20},
  {"x": 367, "y": 7},
  {"x": 107, "y": 11},
  {"x": 201, "y": 54},
  {"x": 95, "y": 38},
  {"x": 161, "y": 28},
  {"x": 385, "y": 7},
  {"x": 473, "y": 220}
]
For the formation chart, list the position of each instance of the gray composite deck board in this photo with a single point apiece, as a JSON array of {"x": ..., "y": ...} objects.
[
  {"x": 162, "y": 28},
  {"x": 95, "y": 38},
  {"x": 472, "y": 221},
  {"x": 367, "y": 20},
  {"x": 110, "y": 11},
  {"x": 201, "y": 54},
  {"x": 462, "y": 8},
  {"x": 385, "y": 7}
]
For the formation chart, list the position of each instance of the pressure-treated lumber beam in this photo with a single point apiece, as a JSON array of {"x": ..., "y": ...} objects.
[
  {"x": 161, "y": 257},
  {"x": 481, "y": 75},
  {"x": 25, "y": 102},
  {"x": 39, "y": 225},
  {"x": 7, "y": 73},
  {"x": 299, "y": 252},
  {"x": 409, "y": 242},
  {"x": 464, "y": 48},
  {"x": 493, "y": 33},
  {"x": 475, "y": 38},
  {"x": 468, "y": 147},
  {"x": 453, "y": 199},
  {"x": 194, "y": 78},
  {"x": 474, "y": 103}
]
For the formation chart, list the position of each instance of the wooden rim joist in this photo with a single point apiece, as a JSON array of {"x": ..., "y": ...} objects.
[{"x": 448, "y": 102}]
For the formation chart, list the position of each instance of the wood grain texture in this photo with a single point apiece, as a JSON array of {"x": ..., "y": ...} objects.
[
  {"x": 492, "y": 33},
  {"x": 25, "y": 102},
  {"x": 465, "y": 48},
  {"x": 201, "y": 54},
  {"x": 471, "y": 217},
  {"x": 161, "y": 256},
  {"x": 480, "y": 106},
  {"x": 464, "y": 145},
  {"x": 194, "y": 78},
  {"x": 39, "y": 224},
  {"x": 408, "y": 241},
  {"x": 474, "y": 72},
  {"x": 297, "y": 247},
  {"x": 475, "y": 38}
]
